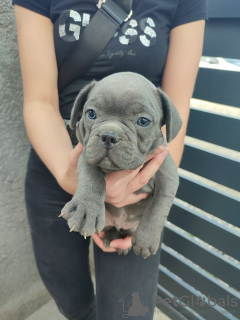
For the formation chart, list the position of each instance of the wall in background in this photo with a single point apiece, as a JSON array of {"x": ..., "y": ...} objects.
[{"x": 21, "y": 289}]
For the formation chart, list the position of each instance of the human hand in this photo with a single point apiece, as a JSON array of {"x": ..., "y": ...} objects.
[
  {"x": 121, "y": 185},
  {"x": 116, "y": 243},
  {"x": 124, "y": 184},
  {"x": 69, "y": 178}
]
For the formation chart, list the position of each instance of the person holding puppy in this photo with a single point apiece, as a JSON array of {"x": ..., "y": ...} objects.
[{"x": 161, "y": 41}]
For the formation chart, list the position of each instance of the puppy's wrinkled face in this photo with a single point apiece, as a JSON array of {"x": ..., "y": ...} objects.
[{"x": 121, "y": 123}]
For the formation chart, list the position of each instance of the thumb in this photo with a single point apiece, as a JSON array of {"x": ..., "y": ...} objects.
[
  {"x": 75, "y": 154},
  {"x": 122, "y": 243}
]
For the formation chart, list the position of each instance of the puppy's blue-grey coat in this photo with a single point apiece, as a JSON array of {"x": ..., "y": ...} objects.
[{"x": 120, "y": 124}]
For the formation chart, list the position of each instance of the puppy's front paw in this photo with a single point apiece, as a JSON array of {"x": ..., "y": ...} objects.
[
  {"x": 145, "y": 243},
  {"x": 86, "y": 217}
]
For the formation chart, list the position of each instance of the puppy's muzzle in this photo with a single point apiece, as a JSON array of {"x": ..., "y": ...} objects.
[{"x": 109, "y": 139}]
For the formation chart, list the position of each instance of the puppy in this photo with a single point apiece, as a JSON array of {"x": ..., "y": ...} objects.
[{"x": 120, "y": 124}]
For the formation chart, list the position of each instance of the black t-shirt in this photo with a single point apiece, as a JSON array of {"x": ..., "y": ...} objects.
[{"x": 141, "y": 44}]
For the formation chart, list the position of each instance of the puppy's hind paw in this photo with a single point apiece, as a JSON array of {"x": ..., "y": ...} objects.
[
  {"x": 124, "y": 252},
  {"x": 145, "y": 245}
]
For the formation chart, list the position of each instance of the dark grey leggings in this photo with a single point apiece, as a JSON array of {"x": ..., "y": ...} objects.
[{"x": 62, "y": 260}]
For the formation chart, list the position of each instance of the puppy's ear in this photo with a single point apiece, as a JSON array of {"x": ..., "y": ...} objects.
[
  {"x": 78, "y": 105},
  {"x": 171, "y": 116}
]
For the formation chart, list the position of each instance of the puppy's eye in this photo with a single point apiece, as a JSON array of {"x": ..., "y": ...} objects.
[
  {"x": 91, "y": 114},
  {"x": 143, "y": 122}
]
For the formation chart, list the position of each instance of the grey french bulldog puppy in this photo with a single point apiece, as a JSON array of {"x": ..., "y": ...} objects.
[{"x": 120, "y": 124}]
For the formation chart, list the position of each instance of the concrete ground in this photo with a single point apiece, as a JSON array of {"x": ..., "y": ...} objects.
[{"x": 50, "y": 312}]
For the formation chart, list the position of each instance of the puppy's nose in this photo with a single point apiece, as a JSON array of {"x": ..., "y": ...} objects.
[{"x": 109, "y": 139}]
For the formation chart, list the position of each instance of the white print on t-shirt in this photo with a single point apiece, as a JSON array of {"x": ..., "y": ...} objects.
[
  {"x": 127, "y": 34},
  {"x": 121, "y": 53}
]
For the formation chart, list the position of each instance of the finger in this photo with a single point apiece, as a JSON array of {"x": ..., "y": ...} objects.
[
  {"x": 75, "y": 154},
  {"x": 122, "y": 243},
  {"x": 153, "y": 165},
  {"x": 102, "y": 234},
  {"x": 114, "y": 177},
  {"x": 147, "y": 172},
  {"x": 159, "y": 150},
  {"x": 78, "y": 149},
  {"x": 99, "y": 243},
  {"x": 133, "y": 174},
  {"x": 127, "y": 175},
  {"x": 132, "y": 198}
]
